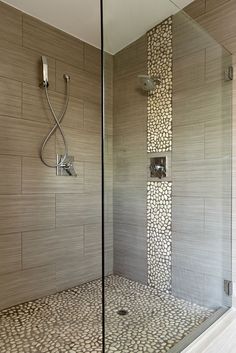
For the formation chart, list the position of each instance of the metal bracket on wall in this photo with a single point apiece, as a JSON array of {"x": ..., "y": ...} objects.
[
  {"x": 228, "y": 287},
  {"x": 229, "y": 73}
]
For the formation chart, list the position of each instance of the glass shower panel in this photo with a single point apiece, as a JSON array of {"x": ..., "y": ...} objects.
[
  {"x": 201, "y": 166},
  {"x": 167, "y": 131}
]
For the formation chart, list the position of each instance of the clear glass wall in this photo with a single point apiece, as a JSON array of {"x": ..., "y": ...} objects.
[{"x": 168, "y": 178}]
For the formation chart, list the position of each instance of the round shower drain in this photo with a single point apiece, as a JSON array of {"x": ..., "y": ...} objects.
[{"x": 122, "y": 312}]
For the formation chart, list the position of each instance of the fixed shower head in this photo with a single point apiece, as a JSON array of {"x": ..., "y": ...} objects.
[
  {"x": 45, "y": 71},
  {"x": 148, "y": 83}
]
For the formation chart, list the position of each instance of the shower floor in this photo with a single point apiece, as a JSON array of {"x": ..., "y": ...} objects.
[{"x": 70, "y": 321}]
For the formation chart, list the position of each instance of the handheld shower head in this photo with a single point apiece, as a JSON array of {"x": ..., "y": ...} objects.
[{"x": 45, "y": 71}]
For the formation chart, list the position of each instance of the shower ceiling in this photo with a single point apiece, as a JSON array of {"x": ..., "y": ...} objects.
[{"x": 125, "y": 20}]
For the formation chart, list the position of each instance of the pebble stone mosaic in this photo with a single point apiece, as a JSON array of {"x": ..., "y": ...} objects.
[
  {"x": 70, "y": 321},
  {"x": 159, "y": 201},
  {"x": 159, "y": 129},
  {"x": 159, "y": 139}
]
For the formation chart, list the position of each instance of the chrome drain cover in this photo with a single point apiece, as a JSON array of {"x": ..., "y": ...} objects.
[{"x": 122, "y": 312}]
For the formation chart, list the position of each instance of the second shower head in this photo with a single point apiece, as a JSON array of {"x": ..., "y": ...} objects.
[{"x": 148, "y": 83}]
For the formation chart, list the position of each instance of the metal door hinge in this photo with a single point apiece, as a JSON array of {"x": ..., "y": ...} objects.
[
  {"x": 228, "y": 287},
  {"x": 229, "y": 73}
]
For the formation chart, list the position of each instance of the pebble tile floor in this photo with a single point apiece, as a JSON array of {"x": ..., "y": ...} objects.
[{"x": 70, "y": 321}]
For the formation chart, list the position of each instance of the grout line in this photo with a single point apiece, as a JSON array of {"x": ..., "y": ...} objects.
[
  {"x": 21, "y": 101},
  {"x": 21, "y": 251},
  {"x": 22, "y": 31},
  {"x": 83, "y": 239},
  {"x": 83, "y": 113},
  {"x": 84, "y": 166},
  {"x": 204, "y": 216},
  {"x": 83, "y": 55},
  {"x": 21, "y": 172},
  {"x": 30, "y": 120},
  {"x": 11, "y": 79},
  {"x": 205, "y": 82},
  {"x": 55, "y": 220},
  {"x": 55, "y": 77}
]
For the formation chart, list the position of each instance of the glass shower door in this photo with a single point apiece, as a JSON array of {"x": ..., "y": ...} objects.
[{"x": 201, "y": 166}]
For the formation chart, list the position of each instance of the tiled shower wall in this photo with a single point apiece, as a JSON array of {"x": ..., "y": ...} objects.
[
  {"x": 130, "y": 162},
  {"x": 49, "y": 226}
]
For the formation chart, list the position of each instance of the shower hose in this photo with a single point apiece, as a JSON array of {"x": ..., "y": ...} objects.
[{"x": 57, "y": 125}]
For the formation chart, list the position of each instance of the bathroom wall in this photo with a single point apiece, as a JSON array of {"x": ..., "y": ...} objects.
[
  {"x": 218, "y": 18},
  {"x": 50, "y": 235},
  {"x": 130, "y": 162},
  {"x": 135, "y": 133}
]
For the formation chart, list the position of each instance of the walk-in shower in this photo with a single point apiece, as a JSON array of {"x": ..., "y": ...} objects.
[{"x": 134, "y": 254}]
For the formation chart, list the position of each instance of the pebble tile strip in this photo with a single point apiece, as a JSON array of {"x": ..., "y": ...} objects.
[
  {"x": 70, "y": 321},
  {"x": 159, "y": 129},
  {"x": 159, "y": 239},
  {"x": 159, "y": 139}
]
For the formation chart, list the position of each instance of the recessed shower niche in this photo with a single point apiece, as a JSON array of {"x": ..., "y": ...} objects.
[{"x": 158, "y": 167}]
